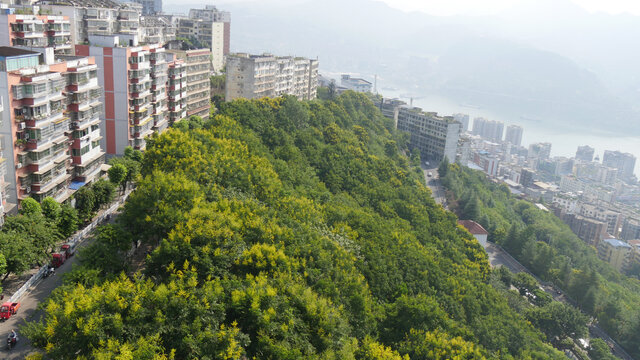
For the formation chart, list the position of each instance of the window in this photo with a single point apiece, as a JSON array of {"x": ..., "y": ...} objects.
[{"x": 80, "y": 152}]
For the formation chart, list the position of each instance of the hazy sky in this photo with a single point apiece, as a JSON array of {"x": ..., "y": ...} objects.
[
  {"x": 483, "y": 7},
  {"x": 449, "y": 7}
]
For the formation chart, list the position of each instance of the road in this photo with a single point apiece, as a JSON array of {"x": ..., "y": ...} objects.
[
  {"x": 28, "y": 309},
  {"x": 433, "y": 182},
  {"x": 499, "y": 257},
  {"x": 40, "y": 291}
]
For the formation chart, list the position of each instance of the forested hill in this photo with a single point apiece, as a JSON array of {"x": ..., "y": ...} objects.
[
  {"x": 284, "y": 230},
  {"x": 548, "y": 247}
]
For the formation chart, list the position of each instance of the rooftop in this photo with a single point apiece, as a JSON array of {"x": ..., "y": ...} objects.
[
  {"x": 8, "y": 51},
  {"x": 617, "y": 243},
  {"x": 473, "y": 227},
  {"x": 85, "y": 3}
]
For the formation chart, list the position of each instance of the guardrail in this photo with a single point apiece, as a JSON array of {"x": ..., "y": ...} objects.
[{"x": 74, "y": 240}]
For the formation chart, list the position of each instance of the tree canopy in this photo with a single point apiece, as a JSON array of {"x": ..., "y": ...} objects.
[
  {"x": 546, "y": 246},
  {"x": 283, "y": 229}
]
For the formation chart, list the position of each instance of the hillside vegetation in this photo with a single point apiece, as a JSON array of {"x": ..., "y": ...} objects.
[
  {"x": 548, "y": 247},
  {"x": 284, "y": 230}
]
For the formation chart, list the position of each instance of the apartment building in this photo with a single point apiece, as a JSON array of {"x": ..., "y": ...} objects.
[
  {"x": 434, "y": 136},
  {"x": 612, "y": 218},
  {"x": 96, "y": 17},
  {"x": 258, "y": 76},
  {"x": 36, "y": 31},
  {"x": 567, "y": 202},
  {"x": 514, "y": 135},
  {"x": 585, "y": 153},
  {"x": 355, "y": 84},
  {"x": 490, "y": 164},
  {"x": 133, "y": 80},
  {"x": 624, "y": 162},
  {"x": 390, "y": 108},
  {"x": 50, "y": 125},
  {"x": 634, "y": 256},
  {"x": 177, "y": 91},
  {"x": 156, "y": 30},
  {"x": 615, "y": 252},
  {"x": 539, "y": 151},
  {"x": 4, "y": 196},
  {"x": 462, "y": 119},
  {"x": 488, "y": 129},
  {"x": 305, "y": 78},
  {"x": 159, "y": 73},
  {"x": 198, "y": 70},
  {"x": 207, "y": 34},
  {"x": 630, "y": 229},
  {"x": 590, "y": 231},
  {"x": 150, "y": 7},
  {"x": 212, "y": 14}
]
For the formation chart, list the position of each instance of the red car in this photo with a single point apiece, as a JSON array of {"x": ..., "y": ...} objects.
[{"x": 8, "y": 309}]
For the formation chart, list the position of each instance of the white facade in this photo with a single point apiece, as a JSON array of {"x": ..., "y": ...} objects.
[
  {"x": 434, "y": 136},
  {"x": 257, "y": 76}
]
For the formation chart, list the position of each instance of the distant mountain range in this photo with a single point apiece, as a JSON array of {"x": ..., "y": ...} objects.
[{"x": 548, "y": 59}]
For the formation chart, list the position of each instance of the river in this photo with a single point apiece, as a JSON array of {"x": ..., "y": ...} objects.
[{"x": 564, "y": 140}]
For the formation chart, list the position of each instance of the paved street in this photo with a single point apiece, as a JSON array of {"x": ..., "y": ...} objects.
[
  {"x": 433, "y": 182},
  {"x": 38, "y": 293},
  {"x": 28, "y": 309}
]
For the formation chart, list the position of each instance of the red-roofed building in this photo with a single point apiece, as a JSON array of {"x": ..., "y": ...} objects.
[{"x": 476, "y": 230}]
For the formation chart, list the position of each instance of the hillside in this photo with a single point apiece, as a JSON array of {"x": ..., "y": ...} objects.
[
  {"x": 548, "y": 247},
  {"x": 284, "y": 230}
]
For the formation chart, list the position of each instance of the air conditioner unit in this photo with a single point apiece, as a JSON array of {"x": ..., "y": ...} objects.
[
  {"x": 21, "y": 126},
  {"x": 19, "y": 165},
  {"x": 26, "y": 136},
  {"x": 28, "y": 189}
]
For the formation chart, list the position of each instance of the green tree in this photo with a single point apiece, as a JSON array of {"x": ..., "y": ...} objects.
[
  {"x": 133, "y": 154},
  {"x": 598, "y": 349},
  {"x": 68, "y": 220},
  {"x": 50, "y": 208},
  {"x": 18, "y": 252},
  {"x": 118, "y": 174},
  {"x": 558, "y": 321},
  {"x": 331, "y": 93},
  {"x": 30, "y": 206},
  {"x": 36, "y": 230},
  {"x": 439, "y": 345},
  {"x": 104, "y": 191},
  {"x": 471, "y": 210},
  {"x": 443, "y": 168},
  {"x": 85, "y": 202}
]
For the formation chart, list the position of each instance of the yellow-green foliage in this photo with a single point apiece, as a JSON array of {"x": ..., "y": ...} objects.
[{"x": 285, "y": 230}]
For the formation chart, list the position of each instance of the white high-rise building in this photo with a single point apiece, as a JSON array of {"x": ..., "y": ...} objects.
[
  {"x": 514, "y": 135},
  {"x": 257, "y": 76},
  {"x": 434, "y": 136}
]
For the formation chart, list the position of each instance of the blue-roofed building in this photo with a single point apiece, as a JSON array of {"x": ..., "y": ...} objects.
[
  {"x": 615, "y": 252},
  {"x": 12, "y": 59}
]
